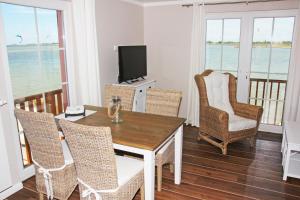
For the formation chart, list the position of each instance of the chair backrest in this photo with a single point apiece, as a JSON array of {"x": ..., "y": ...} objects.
[
  {"x": 93, "y": 154},
  {"x": 125, "y": 92},
  {"x": 199, "y": 78},
  {"x": 163, "y": 102},
  {"x": 42, "y": 134}
]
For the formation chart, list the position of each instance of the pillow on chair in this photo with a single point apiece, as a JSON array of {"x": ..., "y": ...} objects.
[{"x": 218, "y": 91}]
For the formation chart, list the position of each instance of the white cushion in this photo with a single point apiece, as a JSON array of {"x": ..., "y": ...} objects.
[
  {"x": 127, "y": 168},
  {"x": 67, "y": 154},
  {"x": 218, "y": 91},
  {"x": 237, "y": 123}
]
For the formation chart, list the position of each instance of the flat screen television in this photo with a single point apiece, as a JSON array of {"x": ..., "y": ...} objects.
[{"x": 132, "y": 62}]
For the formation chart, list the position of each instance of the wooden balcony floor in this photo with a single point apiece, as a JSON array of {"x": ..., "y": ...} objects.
[{"x": 244, "y": 174}]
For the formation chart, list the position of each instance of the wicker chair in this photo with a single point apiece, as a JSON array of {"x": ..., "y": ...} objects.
[
  {"x": 240, "y": 121},
  {"x": 125, "y": 92},
  {"x": 48, "y": 153},
  {"x": 100, "y": 173},
  {"x": 163, "y": 102}
]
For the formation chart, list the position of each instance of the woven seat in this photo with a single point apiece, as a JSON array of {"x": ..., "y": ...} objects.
[
  {"x": 99, "y": 172},
  {"x": 221, "y": 116},
  {"x": 125, "y": 92},
  {"x": 49, "y": 152},
  {"x": 167, "y": 103}
]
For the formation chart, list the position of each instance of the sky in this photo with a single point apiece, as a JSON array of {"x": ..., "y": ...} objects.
[
  {"x": 20, "y": 28},
  {"x": 283, "y": 29},
  {"x": 19, "y": 24}
]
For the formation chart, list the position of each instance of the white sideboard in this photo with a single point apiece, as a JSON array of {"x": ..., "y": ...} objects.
[
  {"x": 139, "y": 101},
  {"x": 291, "y": 150}
]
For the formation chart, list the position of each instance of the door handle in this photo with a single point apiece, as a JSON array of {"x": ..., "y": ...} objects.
[{"x": 2, "y": 103}]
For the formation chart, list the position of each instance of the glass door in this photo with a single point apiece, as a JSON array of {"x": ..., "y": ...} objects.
[
  {"x": 36, "y": 56},
  {"x": 223, "y": 45},
  {"x": 271, "y": 55},
  {"x": 255, "y": 47}
]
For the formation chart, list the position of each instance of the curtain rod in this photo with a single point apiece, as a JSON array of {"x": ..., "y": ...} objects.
[{"x": 233, "y": 2}]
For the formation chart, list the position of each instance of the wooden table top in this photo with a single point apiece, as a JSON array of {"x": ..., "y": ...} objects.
[{"x": 140, "y": 130}]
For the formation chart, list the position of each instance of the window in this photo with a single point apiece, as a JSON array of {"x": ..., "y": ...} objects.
[{"x": 223, "y": 45}]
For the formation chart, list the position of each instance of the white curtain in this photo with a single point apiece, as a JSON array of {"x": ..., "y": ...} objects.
[
  {"x": 292, "y": 106},
  {"x": 196, "y": 62},
  {"x": 86, "y": 69}
]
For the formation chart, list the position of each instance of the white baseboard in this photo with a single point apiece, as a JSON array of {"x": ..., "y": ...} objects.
[
  {"x": 271, "y": 128},
  {"x": 28, "y": 172},
  {"x": 13, "y": 189}
]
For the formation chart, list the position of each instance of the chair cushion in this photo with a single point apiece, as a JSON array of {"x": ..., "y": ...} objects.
[
  {"x": 237, "y": 123},
  {"x": 67, "y": 154},
  {"x": 127, "y": 168},
  {"x": 218, "y": 91}
]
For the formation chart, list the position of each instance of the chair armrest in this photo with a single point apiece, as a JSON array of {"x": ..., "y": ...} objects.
[
  {"x": 248, "y": 111},
  {"x": 215, "y": 118}
]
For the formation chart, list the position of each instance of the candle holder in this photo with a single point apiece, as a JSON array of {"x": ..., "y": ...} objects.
[{"x": 114, "y": 109}]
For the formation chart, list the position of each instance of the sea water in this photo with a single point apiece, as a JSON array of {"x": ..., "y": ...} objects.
[{"x": 33, "y": 72}]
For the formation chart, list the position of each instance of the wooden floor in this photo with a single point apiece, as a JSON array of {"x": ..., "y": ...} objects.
[{"x": 244, "y": 174}]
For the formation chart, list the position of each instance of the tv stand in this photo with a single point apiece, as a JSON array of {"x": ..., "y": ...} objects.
[{"x": 141, "y": 86}]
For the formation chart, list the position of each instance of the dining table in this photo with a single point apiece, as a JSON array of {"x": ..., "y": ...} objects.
[{"x": 143, "y": 134}]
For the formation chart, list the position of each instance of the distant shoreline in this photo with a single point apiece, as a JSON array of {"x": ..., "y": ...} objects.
[
  {"x": 30, "y": 45},
  {"x": 284, "y": 44}
]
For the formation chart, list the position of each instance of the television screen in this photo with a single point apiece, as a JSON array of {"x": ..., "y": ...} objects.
[{"x": 132, "y": 62}]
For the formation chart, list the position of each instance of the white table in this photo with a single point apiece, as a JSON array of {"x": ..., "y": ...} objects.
[
  {"x": 142, "y": 134},
  {"x": 149, "y": 162},
  {"x": 291, "y": 150}
]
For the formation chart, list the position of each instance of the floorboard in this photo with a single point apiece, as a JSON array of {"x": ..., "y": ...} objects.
[{"x": 245, "y": 173}]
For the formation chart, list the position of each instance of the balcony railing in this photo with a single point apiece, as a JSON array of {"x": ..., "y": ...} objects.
[
  {"x": 270, "y": 94},
  {"x": 35, "y": 103},
  {"x": 54, "y": 104}
]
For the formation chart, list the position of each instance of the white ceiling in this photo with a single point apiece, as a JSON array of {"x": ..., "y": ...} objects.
[
  {"x": 179, "y": 2},
  {"x": 187, "y": 1}
]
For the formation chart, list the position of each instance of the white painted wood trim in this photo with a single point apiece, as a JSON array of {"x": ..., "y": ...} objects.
[
  {"x": 270, "y": 128},
  {"x": 15, "y": 188},
  {"x": 28, "y": 172},
  {"x": 178, "y": 155}
]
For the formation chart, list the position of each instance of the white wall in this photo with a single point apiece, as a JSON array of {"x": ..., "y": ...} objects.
[
  {"x": 118, "y": 23},
  {"x": 167, "y": 33}
]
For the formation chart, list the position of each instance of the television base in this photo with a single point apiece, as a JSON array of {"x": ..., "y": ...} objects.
[{"x": 135, "y": 80}]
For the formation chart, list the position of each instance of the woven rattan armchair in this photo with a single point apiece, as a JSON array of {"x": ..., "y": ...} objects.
[
  {"x": 219, "y": 124},
  {"x": 48, "y": 152},
  {"x": 163, "y": 102},
  {"x": 125, "y": 92},
  {"x": 100, "y": 173}
]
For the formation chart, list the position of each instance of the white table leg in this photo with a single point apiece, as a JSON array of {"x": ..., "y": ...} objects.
[
  {"x": 287, "y": 163},
  {"x": 283, "y": 141},
  {"x": 178, "y": 155},
  {"x": 149, "y": 174}
]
